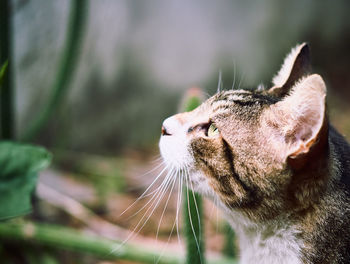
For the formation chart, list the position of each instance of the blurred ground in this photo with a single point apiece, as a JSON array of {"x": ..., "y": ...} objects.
[{"x": 138, "y": 174}]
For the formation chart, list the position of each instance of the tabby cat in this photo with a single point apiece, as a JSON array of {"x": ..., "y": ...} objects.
[{"x": 273, "y": 163}]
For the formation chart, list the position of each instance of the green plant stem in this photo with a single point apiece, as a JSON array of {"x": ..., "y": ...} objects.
[
  {"x": 193, "y": 227},
  {"x": 193, "y": 220},
  {"x": 73, "y": 240},
  {"x": 67, "y": 66},
  {"x": 229, "y": 247},
  {"x": 7, "y": 92},
  {"x": 3, "y": 71}
]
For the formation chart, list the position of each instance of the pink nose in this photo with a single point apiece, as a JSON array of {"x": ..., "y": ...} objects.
[
  {"x": 171, "y": 126},
  {"x": 165, "y": 132}
]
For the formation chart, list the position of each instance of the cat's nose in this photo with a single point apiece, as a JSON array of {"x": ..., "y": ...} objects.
[
  {"x": 165, "y": 131},
  {"x": 170, "y": 126}
]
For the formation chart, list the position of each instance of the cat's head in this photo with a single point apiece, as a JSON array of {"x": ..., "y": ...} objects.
[{"x": 255, "y": 150}]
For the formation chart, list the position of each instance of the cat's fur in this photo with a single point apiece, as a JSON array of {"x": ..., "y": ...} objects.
[{"x": 277, "y": 168}]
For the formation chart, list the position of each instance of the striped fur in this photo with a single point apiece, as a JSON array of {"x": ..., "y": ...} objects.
[{"x": 277, "y": 168}]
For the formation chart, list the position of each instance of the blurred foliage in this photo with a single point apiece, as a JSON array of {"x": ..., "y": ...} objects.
[
  {"x": 66, "y": 69},
  {"x": 126, "y": 114},
  {"x": 6, "y": 82},
  {"x": 20, "y": 165},
  {"x": 2, "y": 72},
  {"x": 73, "y": 240},
  {"x": 104, "y": 173}
]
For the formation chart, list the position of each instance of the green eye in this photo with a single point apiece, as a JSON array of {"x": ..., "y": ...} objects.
[{"x": 213, "y": 130}]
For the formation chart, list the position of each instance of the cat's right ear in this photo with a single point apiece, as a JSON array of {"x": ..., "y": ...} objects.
[
  {"x": 295, "y": 66},
  {"x": 297, "y": 125}
]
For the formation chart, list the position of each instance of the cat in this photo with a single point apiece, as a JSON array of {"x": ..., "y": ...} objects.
[{"x": 273, "y": 163}]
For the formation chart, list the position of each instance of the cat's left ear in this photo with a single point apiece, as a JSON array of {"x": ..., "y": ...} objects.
[
  {"x": 297, "y": 125},
  {"x": 295, "y": 66}
]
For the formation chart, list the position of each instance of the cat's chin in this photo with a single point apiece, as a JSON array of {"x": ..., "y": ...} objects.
[{"x": 198, "y": 182}]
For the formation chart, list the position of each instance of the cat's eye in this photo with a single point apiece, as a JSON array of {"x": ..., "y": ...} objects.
[{"x": 212, "y": 130}]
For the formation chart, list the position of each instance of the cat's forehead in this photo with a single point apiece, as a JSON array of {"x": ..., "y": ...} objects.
[
  {"x": 231, "y": 95},
  {"x": 240, "y": 103},
  {"x": 242, "y": 97}
]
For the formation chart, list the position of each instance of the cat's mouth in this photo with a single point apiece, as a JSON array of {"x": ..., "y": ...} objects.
[
  {"x": 178, "y": 158},
  {"x": 175, "y": 152}
]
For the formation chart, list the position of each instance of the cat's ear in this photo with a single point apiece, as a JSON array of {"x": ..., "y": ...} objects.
[
  {"x": 298, "y": 121},
  {"x": 295, "y": 66}
]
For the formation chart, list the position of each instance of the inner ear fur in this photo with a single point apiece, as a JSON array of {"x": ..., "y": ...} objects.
[
  {"x": 295, "y": 66},
  {"x": 299, "y": 121}
]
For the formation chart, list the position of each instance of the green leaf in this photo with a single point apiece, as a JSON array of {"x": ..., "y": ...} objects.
[
  {"x": 3, "y": 71},
  {"x": 19, "y": 167}
]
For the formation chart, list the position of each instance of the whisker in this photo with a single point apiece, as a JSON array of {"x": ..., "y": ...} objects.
[
  {"x": 178, "y": 206},
  {"x": 240, "y": 81},
  {"x": 166, "y": 204},
  {"x": 159, "y": 190},
  {"x": 191, "y": 223},
  {"x": 137, "y": 229},
  {"x": 149, "y": 194},
  {"x": 157, "y": 158},
  {"x": 218, "y": 90},
  {"x": 143, "y": 194},
  {"x": 217, "y": 215},
  {"x": 154, "y": 208},
  {"x": 153, "y": 169},
  {"x": 162, "y": 252},
  {"x": 234, "y": 74},
  {"x": 154, "y": 181},
  {"x": 207, "y": 95},
  {"x": 196, "y": 206},
  {"x": 212, "y": 208}
]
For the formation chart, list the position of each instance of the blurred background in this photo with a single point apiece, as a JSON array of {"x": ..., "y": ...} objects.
[{"x": 134, "y": 61}]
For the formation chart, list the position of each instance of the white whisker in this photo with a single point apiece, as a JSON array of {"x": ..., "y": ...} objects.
[
  {"x": 154, "y": 208},
  {"x": 219, "y": 88},
  {"x": 171, "y": 232},
  {"x": 166, "y": 204},
  {"x": 206, "y": 95},
  {"x": 217, "y": 215},
  {"x": 189, "y": 214},
  {"x": 178, "y": 206},
  {"x": 137, "y": 229},
  {"x": 240, "y": 81},
  {"x": 143, "y": 194},
  {"x": 153, "y": 169},
  {"x": 234, "y": 75},
  {"x": 157, "y": 159},
  {"x": 195, "y": 203},
  {"x": 159, "y": 190}
]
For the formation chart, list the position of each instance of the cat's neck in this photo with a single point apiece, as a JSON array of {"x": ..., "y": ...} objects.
[{"x": 276, "y": 241}]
